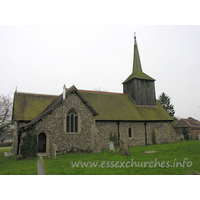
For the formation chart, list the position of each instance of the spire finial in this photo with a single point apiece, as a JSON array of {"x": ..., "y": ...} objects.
[{"x": 135, "y": 43}]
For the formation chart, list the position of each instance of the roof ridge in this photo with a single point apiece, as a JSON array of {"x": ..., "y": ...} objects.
[
  {"x": 80, "y": 90},
  {"x": 102, "y": 92},
  {"x": 54, "y": 103},
  {"x": 187, "y": 122},
  {"x": 36, "y": 94}
]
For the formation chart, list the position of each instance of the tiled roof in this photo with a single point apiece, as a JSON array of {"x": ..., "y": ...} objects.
[
  {"x": 139, "y": 75},
  {"x": 122, "y": 107},
  {"x": 27, "y": 106},
  {"x": 104, "y": 106},
  {"x": 189, "y": 122},
  {"x": 57, "y": 101}
]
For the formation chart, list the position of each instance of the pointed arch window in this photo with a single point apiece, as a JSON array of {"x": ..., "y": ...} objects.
[{"x": 72, "y": 121}]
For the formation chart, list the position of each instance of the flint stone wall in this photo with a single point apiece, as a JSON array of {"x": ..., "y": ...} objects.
[
  {"x": 17, "y": 126},
  {"x": 165, "y": 134},
  {"x": 53, "y": 125},
  {"x": 94, "y": 135},
  {"x": 15, "y": 138}
]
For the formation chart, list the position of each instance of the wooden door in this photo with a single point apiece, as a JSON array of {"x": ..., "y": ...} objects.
[{"x": 42, "y": 143}]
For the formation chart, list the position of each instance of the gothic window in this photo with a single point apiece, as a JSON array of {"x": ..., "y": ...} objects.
[
  {"x": 72, "y": 121},
  {"x": 130, "y": 132}
]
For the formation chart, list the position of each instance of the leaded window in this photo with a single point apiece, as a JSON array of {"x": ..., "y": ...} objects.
[{"x": 72, "y": 121}]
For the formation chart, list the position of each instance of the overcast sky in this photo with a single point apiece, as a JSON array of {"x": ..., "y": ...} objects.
[{"x": 41, "y": 59}]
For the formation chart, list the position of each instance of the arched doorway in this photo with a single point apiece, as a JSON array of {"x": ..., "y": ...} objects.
[{"x": 41, "y": 143}]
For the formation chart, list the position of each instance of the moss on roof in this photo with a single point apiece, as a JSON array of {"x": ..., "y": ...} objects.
[
  {"x": 137, "y": 67},
  {"x": 139, "y": 75},
  {"x": 157, "y": 113},
  {"x": 110, "y": 106},
  {"x": 28, "y": 106},
  {"x": 122, "y": 107}
]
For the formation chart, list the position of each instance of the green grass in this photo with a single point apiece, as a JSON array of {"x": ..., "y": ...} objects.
[{"x": 62, "y": 164}]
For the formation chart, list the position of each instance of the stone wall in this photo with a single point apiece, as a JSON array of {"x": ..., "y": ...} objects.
[
  {"x": 53, "y": 125},
  {"x": 104, "y": 131},
  {"x": 138, "y": 133},
  {"x": 94, "y": 135},
  {"x": 17, "y": 126},
  {"x": 15, "y": 138},
  {"x": 165, "y": 133}
]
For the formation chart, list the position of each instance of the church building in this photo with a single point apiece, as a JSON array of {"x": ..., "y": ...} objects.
[{"x": 84, "y": 120}]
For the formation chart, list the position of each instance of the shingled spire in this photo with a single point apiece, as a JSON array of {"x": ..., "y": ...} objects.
[
  {"x": 139, "y": 85},
  {"x": 137, "y": 67},
  {"x": 136, "y": 58}
]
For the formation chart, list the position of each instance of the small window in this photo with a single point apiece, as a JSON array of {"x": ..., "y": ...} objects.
[
  {"x": 130, "y": 132},
  {"x": 72, "y": 121}
]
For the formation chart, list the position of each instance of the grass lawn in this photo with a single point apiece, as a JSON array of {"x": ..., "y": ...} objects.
[{"x": 167, "y": 157}]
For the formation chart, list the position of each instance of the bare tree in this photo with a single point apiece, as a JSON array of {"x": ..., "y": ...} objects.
[
  {"x": 5, "y": 113},
  {"x": 99, "y": 89}
]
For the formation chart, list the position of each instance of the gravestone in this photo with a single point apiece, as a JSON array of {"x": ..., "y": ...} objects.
[
  {"x": 149, "y": 152},
  {"x": 6, "y": 154},
  {"x": 199, "y": 137},
  {"x": 54, "y": 148},
  {"x": 119, "y": 150},
  {"x": 181, "y": 137},
  {"x": 41, "y": 167},
  {"x": 112, "y": 148},
  {"x": 126, "y": 149},
  {"x": 10, "y": 153}
]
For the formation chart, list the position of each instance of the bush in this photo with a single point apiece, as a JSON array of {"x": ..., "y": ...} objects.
[
  {"x": 187, "y": 137},
  {"x": 29, "y": 145},
  {"x": 6, "y": 144},
  {"x": 113, "y": 138}
]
